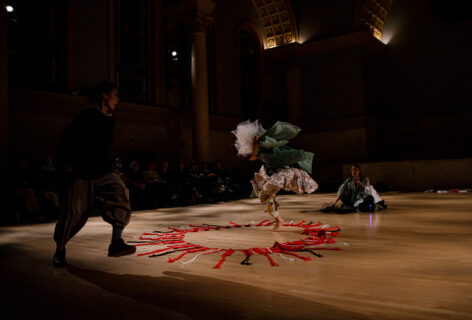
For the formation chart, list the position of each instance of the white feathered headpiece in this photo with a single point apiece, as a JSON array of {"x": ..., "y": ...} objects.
[{"x": 245, "y": 132}]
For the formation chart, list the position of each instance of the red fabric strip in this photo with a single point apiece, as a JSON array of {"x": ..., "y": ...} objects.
[
  {"x": 179, "y": 257},
  {"x": 272, "y": 262},
  {"x": 227, "y": 253},
  {"x": 296, "y": 255},
  {"x": 155, "y": 251},
  {"x": 261, "y": 223}
]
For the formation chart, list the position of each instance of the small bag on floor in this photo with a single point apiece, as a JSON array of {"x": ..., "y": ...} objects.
[{"x": 367, "y": 205}]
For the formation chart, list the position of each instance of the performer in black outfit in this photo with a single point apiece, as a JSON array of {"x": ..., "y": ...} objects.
[{"x": 85, "y": 158}]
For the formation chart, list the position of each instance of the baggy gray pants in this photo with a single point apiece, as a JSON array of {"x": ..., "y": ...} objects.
[{"x": 107, "y": 194}]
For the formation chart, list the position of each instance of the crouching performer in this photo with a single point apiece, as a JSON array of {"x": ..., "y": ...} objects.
[{"x": 89, "y": 181}]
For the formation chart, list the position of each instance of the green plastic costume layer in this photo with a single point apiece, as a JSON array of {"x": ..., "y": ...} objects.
[
  {"x": 353, "y": 194},
  {"x": 274, "y": 152}
]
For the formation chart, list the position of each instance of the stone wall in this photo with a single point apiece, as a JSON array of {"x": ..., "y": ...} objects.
[{"x": 37, "y": 119}]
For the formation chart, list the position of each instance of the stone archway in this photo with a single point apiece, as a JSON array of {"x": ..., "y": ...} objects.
[
  {"x": 280, "y": 26},
  {"x": 279, "y": 23},
  {"x": 371, "y": 14}
]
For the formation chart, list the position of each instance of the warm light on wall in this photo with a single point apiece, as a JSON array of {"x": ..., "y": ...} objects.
[
  {"x": 387, "y": 35},
  {"x": 378, "y": 34},
  {"x": 272, "y": 43}
]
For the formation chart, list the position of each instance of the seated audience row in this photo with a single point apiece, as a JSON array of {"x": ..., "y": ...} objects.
[
  {"x": 153, "y": 186},
  {"x": 33, "y": 190}
]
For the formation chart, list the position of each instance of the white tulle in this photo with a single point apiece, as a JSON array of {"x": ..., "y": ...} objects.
[{"x": 245, "y": 132}]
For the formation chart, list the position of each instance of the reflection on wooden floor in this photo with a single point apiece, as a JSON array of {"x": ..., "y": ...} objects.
[{"x": 412, "y": 261}]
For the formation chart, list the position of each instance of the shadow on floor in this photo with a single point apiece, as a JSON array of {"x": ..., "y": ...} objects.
[{"x": 201, "y": 297}]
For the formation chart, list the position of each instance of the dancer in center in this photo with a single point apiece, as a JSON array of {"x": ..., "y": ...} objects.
[{"x": 283, "y": 167}]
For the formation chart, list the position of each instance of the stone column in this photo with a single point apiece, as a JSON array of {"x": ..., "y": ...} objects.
[
  {"x": 3, "y": 87},
  {"x": 199, "y": 80}
]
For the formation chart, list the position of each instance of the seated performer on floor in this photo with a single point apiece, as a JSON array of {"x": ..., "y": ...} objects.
[
  {"x": 283, "y": 167},
  {"x": 356, "y": 192}
]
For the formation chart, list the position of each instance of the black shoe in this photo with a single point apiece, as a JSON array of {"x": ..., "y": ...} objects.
[
  {"x": 119, "y": 248},
  {"x": 59, "y": 259},
  {"x": 381, "y": 205}
]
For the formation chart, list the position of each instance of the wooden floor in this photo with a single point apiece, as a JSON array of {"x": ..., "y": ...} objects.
[{"x": 412, "y": 261}]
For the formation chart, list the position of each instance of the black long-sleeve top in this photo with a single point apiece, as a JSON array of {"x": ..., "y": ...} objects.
[{"x": 86, "y": 145}]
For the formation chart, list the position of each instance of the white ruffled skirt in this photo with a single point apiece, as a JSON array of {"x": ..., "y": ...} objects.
[{"x": 289, "y": 179}]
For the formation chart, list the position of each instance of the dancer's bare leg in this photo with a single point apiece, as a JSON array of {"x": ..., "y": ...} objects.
[
  {"x": 272, "y": 206},
  {"x": 278, "y": 222}
]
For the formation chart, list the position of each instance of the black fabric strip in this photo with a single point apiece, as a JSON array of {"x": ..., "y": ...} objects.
[
  {"x": 176, "y": 250},
  {"x": 246, "y": 261},
  {"x": 312, "y": 252}
]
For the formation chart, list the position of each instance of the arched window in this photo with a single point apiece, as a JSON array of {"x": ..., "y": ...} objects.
[
  {"x": 132, "y": 49},
  {"x": 249, "y": 57},
  {"x": 37, "y": 44}
]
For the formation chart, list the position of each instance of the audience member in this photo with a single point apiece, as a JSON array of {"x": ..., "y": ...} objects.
[
  {"x": 166, "y": 178},
  {"x": 22, "y": 198},
  {"x": 48, "y": 189},
  {"x": 136, "y": 184},
  {"x": 118, "y": 168},
  {"x": 154, "y": 186}
]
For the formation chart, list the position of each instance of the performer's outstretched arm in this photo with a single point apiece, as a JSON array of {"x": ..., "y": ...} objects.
[{"x": 254, "y": 149}]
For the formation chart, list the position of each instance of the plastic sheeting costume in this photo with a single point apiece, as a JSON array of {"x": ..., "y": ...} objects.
[{"x": 283, "y": 167}]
